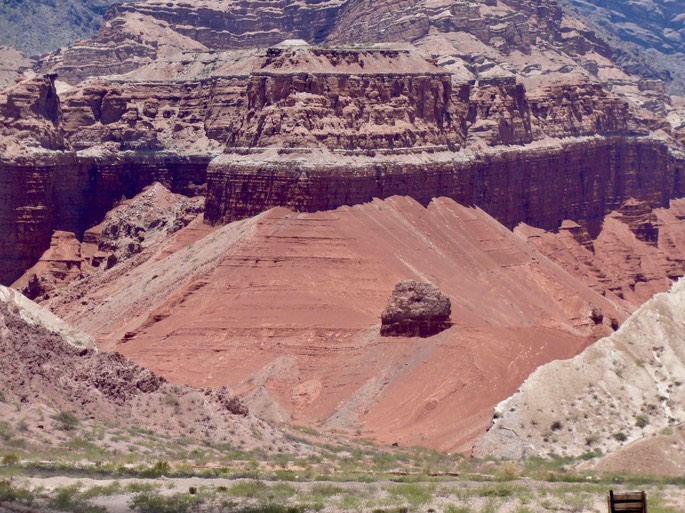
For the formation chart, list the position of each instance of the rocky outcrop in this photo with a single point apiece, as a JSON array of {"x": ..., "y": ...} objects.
[
  {"x": 30, "y": 114},
  {"x": 416, "y": 310},
  {"x": 641, "y": 220},
  {"x": 581, "y": 180},
  {"x": 43, "y": 357},
  {"x": 633, "y": 377},
  {"x": 136, "y": 34},
  {"x": 149, "y": 218},
  {"x": 58, "y": 266},
  {"x": 72, "y": 192},
  {"x": 637, "y": 253},
  {"x": 267, "y": 306}
]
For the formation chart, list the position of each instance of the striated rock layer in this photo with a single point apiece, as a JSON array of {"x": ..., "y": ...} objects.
[
  {"x": 284, "y": 308},
  {"x": 313, "y": 129},
  {"x": 580, "y": 180}
]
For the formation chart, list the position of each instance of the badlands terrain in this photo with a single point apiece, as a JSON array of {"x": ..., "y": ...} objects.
[{"x": 206, "y": 207}]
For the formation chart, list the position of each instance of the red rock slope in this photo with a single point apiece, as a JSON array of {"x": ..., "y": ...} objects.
[
  {"x": 48, "y": 367},
  {"x": 285, "y": 308}
]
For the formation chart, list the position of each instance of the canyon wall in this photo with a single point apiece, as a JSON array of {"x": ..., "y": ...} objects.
[
  {"x": 314, "y": 129},
  {"x": 580, "y": 180},
  {"x": 67, "y": 191}
]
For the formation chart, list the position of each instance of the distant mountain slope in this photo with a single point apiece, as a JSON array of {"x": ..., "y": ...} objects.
[
  {"x": 39, "y": 26},
  {"x": 647, "y": 36}
]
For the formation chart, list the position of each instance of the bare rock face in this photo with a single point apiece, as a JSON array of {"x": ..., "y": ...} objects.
[
  {"x": 416, "y": 310},
  {"x": 43, "y": 357},
  {"x": 150, "y": 217},
  {"x": 641, "y": 220},
  {"x": 134, "y": 225},
  {"x": 634, "y": 373},
  {"x": 57, "y": 267}
]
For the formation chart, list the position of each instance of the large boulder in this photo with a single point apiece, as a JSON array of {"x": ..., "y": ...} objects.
[{"x": 416, "y": 310}]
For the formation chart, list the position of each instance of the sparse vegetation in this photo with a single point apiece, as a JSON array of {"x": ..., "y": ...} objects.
[
  {"x": 10, "y": 458},
  {"x": 66, "y": 421},
  {"x": 154, "y": 502},
  {"x": 642, "y": 421},
  {"x": 70, "y": 499},
  {"x": 620, "y": 436}
]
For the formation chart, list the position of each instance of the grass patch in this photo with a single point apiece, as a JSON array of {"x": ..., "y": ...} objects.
[
  {"x": 153, "y": 502},
  {"x": 70, "y": 499}
]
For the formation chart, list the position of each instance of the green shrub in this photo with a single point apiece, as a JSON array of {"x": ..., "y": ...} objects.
[
  {"x": 620, "y": 436},
  {"x": 70, "y": 499},
  {"x": 642, "y": 421},
  {"x": 66, "y": 421},
  {"x": 273, "y": 508},
  {"x": 10, "y": 459},
  {"x": 414, "y": 493},
  {"x": 591, "y": 439},
  {"x": 161, "y": 468},
  {"x": 6, "y": 431},
  {"x": 153, "y": 502},
  {"x": 9, "y": 493},
  {"x": 325, "y": 491}
]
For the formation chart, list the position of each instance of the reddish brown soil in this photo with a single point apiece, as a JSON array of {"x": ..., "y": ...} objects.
[{"x": 285, "y": 308}]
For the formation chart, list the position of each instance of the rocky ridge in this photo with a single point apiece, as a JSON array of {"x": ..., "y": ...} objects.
[
  {"x": 280, "y": 282},
  {"x": 623, "y": 388},
  {"x": 48, "y": 367},
  {"x": 297, "y": 126}
]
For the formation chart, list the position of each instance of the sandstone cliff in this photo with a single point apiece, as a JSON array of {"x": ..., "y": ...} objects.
[{"x": 316, "y": 128}]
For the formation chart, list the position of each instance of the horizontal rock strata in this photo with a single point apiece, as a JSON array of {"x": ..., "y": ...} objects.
[
  {"x": 313, "y": 129},
  {"x": 580, "y": 180}
]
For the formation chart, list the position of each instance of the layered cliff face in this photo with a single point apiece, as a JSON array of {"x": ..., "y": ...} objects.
[
  {"x": 139, "y": 33},
  {"x": 510, "y": 108},
  {"x": 315, "y": 128}
]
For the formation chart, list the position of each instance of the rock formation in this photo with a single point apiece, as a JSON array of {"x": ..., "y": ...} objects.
[
  {"x": 513, "y": 108},
  {"x": 623, "y": 388},
  {"x": 48, "y": 367},
  {"x": 150, "y": 218},
  {"x": 196, "y": 306},
  {"x": 647, "y": 37},
  {"x": 416, "y": 310},
  {"x": 634, "y": 256}
]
